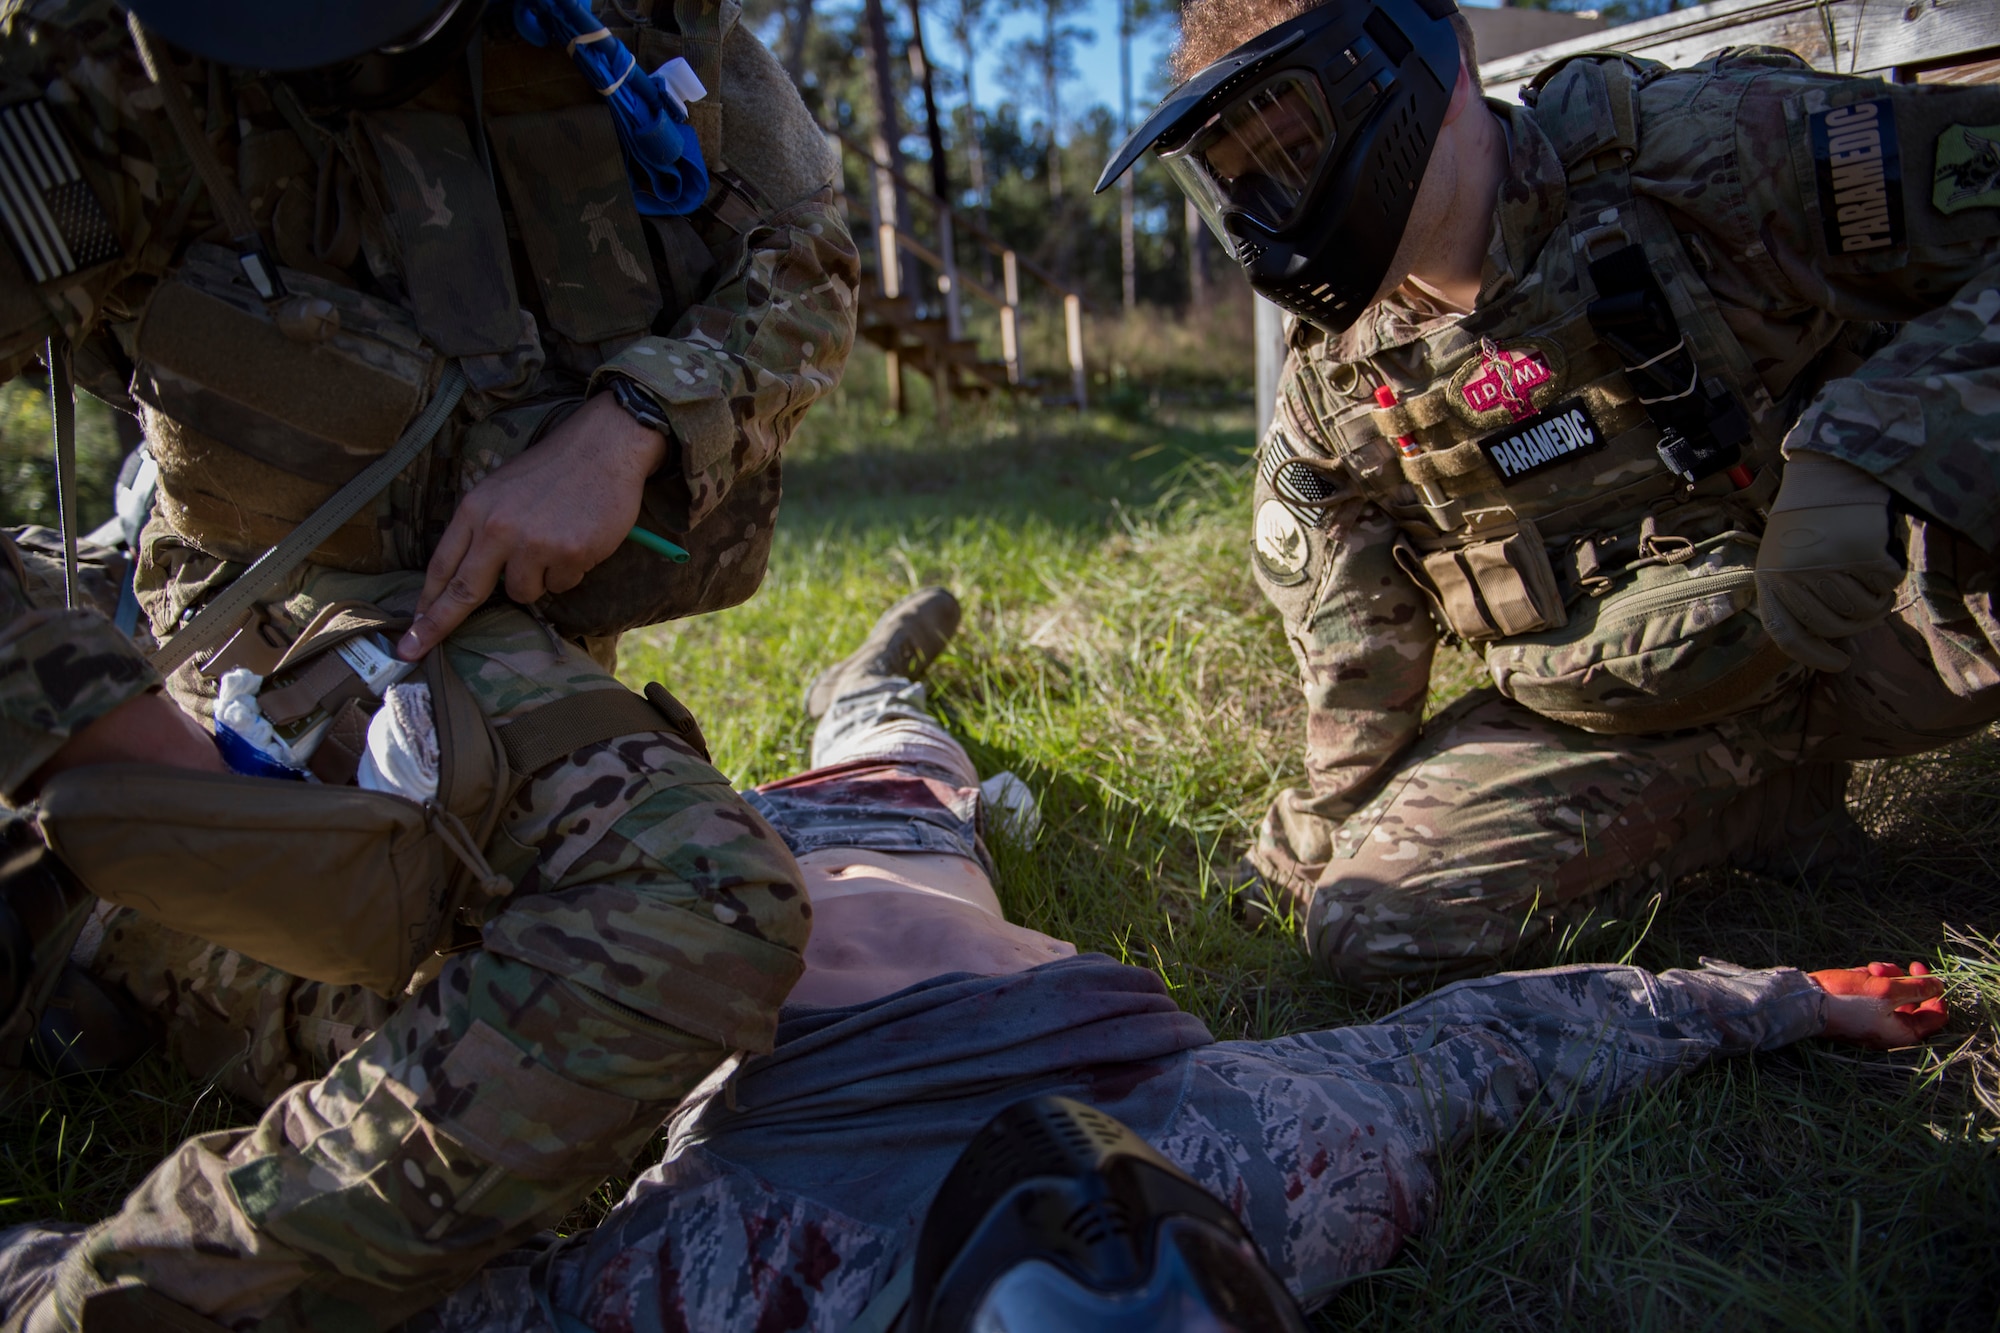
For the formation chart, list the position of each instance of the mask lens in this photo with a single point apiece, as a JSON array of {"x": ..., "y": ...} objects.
[{"x": 1261, "y": 152}]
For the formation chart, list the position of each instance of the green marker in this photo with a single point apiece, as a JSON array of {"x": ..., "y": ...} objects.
[{"x": 659, "y": 545}]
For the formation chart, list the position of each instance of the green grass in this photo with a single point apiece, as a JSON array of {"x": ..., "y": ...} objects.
[{"x": 1117, "y": 655}]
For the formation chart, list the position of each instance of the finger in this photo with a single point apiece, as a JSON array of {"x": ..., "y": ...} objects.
[
  {"x": 1834, "y": 604},
  {"x": 1908, "y": 990},
  {"x": 1793, "y": 641},
  {"x": 465, "y": 590},
  {"x": 527, "y": 577},
  {"x": 450, "y": 553},
  {"x": 1919, "y": 970},
  {"x": 1884, "y": 970},
  {"x": 1925, "y": 1022}
]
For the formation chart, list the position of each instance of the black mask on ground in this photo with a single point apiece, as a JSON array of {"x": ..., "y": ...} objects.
[
  {"x": 1059, "y": 1219},
  {"x": 1303, "y": 148}
]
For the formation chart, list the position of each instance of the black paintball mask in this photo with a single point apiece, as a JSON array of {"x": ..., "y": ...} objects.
[
  {"x": 338, "y": 55},
  {"x": 1058, "y": 1219},
  {"x": 1303, "y": 148}
]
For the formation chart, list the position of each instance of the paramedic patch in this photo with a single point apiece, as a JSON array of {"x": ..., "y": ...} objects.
[
  {"x": 55, "y": 221},
  {"x": 1558, "y": 435},
  {"x": 1860, "y": 176}
]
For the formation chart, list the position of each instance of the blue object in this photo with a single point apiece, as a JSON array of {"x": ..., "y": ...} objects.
[
  {"x": 245, "y": 758},
  {"x": 662, "y": 156}
]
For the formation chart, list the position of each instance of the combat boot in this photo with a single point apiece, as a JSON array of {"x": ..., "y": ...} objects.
[{"x": 903, "y": 644}]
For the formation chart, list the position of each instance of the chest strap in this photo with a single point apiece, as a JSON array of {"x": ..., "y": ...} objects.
[
  {"x": 1693, "y": 388},
  {"x": 535, "y": 740}
]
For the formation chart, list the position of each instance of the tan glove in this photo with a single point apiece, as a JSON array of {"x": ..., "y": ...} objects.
[{"x": 1824, "y": 570}]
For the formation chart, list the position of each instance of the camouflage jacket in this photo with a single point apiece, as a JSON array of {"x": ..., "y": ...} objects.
[
  {"x": 1735, "y": 151},
  {"x": 730, "y": 322}
]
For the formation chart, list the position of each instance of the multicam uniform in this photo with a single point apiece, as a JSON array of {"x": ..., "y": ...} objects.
[
  {"x": 1509, "y": 484},
  {"x": 651, "y": 922}
]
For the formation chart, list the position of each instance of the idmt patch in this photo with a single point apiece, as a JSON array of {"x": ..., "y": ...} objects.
[
  {"x": 1859, "y": 171},
  {"x": 1280, "y": 545}
]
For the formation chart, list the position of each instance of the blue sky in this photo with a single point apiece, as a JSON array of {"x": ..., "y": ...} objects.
[{"x": 1097, "y": 63}]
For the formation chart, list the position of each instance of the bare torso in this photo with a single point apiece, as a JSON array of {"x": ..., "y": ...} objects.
[{"x": 886, "y": 920}]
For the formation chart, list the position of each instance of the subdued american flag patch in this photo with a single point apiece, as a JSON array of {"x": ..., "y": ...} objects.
[
  {"x": 55, "y": 221},
  {"x": 1302, "y": 487}
]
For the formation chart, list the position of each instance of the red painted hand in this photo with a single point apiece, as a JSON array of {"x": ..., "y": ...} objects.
[{"x": 1882, "y": 1005}]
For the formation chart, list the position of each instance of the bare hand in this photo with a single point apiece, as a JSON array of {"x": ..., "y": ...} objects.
[
  {"x": 542, "y": 520},
  {"x": 1882, "y": 1005},
  {"x": 150, "y": 729}
]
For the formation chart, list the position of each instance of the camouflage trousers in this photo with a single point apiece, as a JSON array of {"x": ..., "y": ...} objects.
[
  {"x": 1498, "y": 824},
  {"x": 656, "y": 926}
]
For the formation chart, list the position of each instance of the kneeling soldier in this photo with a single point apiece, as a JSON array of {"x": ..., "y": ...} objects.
[
  {"x": 1611, "y": 387},
  {"x": 416, "y": 301}
]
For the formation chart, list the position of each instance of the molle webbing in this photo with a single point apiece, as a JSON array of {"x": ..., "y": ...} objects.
[{"x": 556, "y": 730}]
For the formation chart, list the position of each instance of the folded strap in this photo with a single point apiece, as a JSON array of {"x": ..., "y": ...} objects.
[{"x": 538, "y": 739}]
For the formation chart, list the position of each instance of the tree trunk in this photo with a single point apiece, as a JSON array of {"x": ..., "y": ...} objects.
[
  {"x": 886, "y": 144},
  {"x": 1128, "y": 247},
  {"x": 1197, "y": 253},
  {"x": 798, "y": 22}
]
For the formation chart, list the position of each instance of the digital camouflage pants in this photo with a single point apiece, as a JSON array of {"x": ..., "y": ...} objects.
[
  {"x": 1497, "y": 824},
  {"x": 656, "y": 927}
]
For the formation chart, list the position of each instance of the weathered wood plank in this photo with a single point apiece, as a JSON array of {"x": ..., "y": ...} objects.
[{"x": 1850, "y": 36}]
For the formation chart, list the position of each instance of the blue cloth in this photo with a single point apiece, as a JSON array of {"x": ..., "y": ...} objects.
[{"x": 662, "y": 156}]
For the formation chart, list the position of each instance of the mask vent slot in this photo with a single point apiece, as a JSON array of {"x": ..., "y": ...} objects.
[{"x": 1387, "y": 36}]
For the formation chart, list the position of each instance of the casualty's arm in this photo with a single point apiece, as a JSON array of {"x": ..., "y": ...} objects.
[{"x": 1581, "y": 1038}]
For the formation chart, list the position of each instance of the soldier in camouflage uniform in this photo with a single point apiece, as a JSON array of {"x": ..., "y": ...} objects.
[
  {"x": 647, "y": 922},
  {"x": 1650, "y": 439}
]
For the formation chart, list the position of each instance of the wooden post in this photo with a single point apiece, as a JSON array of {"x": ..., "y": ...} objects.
[
  {"x": 954, "y": 312},
  {"x": 885, "y": 254},
  {"x": 1010, "y": 332},
  {"x": 1073, "y": 324}
]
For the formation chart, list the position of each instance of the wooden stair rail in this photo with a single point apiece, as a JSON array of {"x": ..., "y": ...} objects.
[{"x": 892, "y": 241}]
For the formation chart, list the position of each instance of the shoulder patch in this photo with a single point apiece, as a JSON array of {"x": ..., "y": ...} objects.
[
  {"x": 1280, "y": 544},
  {"x": 1968, "y": 168},
  {"x": 1859, "y": 170},
  {"x": 54, "y": 219}
]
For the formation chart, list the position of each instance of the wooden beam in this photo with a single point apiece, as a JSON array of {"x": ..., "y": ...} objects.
[{"x": 1840, "y": 36}]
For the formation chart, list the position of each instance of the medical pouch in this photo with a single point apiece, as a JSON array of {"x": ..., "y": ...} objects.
[
  {"x": 1676, "y": 643},
  {"x": 316, "y": 386},
  {"x": 332, "y": 883},
  {"x": 1491, "y": 589}
]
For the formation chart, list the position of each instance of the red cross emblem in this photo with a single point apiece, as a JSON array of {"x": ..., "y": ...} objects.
[{"x": 1506, "y": 379}]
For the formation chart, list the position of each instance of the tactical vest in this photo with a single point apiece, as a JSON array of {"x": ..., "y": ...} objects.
[
  {"x": 257, "y": 411},
  {"x": 1580, "y": 484}
]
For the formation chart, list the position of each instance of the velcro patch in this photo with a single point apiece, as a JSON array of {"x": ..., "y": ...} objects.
[
  {"x": 1968, "y": 168},
  {"x": 1564, "y": 432},
  {"x": 1859, "y": 170},
  {"x": 54, "y": 219}
]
